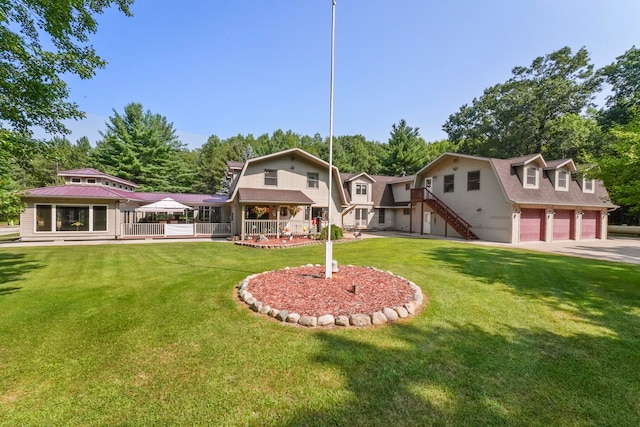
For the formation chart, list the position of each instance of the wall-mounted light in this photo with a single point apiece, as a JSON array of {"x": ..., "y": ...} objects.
[{"x": 455, "y": 168}]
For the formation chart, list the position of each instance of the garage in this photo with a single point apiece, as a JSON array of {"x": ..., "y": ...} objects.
[
  {"x": 563, "y": 225},
  {"x": 590, "y": 225},
  {"x": 531, "y": 225}
]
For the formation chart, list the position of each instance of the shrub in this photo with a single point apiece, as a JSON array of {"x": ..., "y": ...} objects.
[{"x": 336, "y": 233}]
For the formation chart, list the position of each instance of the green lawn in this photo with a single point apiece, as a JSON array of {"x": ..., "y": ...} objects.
[{"x": 150, "y": 334}]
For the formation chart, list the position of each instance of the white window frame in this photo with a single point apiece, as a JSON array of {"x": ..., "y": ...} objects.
[
  {"x": 361, "y": 189},
  {"x": 313, "y": 180},
  {"x": 588, "y": 185},
  {"x": 54, "y": 217},
  {"x": 526, "y": 183},
  {"x": 559, "y": 174},
  {"x": 271, "y": 177}
]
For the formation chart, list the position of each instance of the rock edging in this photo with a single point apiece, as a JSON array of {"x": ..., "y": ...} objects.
[{"x": 386, "y": 315}]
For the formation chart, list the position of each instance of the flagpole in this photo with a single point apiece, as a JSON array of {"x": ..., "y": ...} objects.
[{"x": 329, "y": 244}]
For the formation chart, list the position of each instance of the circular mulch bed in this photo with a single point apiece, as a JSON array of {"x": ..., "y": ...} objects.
[{"x": 356, "y": 296}]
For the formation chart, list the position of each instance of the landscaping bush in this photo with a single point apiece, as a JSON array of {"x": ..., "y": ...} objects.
[{"x": 336, "y": 233}]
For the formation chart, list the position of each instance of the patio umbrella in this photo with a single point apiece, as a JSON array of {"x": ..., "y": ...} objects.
[{"x": 167, "y": 205}]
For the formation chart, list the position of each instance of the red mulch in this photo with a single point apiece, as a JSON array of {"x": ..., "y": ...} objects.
[{"x": 304, "y": 290}]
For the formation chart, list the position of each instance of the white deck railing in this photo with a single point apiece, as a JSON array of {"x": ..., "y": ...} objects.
[
  {"x": 153, "y": 229},
  {"x": 269, "y": 227},
  {"x": 213, "y": 228}
]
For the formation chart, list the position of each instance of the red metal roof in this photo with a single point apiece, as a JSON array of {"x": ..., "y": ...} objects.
[{"x": 101, "y": 192}]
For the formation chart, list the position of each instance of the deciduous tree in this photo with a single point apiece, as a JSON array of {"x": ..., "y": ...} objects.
[
  {"x": 32, "y": 89},
  {"x": 520, "y": 116}
]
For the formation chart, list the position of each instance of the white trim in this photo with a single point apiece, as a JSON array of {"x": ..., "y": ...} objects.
[
  {"x": 567, "y": 178},
  {"x": 525, "y": 178}
]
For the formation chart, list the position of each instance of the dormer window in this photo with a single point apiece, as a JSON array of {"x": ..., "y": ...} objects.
[
  {"x": 91, "y": 181},
  {"x": 531, "y": 177},
  {"x": 587, "y": 185},
  {"x": 76, "y": 180},
  {"x": 562, "y": 180},
  {"x": 361, "y": 189}
]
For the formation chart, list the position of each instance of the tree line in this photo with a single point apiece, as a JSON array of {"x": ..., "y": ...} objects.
[{"x": 546, "y": 107}]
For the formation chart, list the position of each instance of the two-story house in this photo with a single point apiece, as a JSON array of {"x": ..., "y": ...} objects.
[
  {"x": 508, "y": 200},
  {"x": 284, "y": 193}
]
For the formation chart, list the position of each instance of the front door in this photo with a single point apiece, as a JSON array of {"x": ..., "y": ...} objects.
[
  {"x": 426, "y": 223},
  {"x": 428, "y": 183}
]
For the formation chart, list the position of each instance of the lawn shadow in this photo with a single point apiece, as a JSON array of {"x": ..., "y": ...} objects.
[
  {"x": 13, "y": 267},
  {"x": 604, "y": 293},
  {"x": 459, "y": 374}
]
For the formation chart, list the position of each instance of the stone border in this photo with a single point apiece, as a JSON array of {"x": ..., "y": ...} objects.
[{"x": 387, "y": 314}]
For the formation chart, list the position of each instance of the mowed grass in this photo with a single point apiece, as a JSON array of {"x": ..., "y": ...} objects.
[{"x": 150, "y": 334}]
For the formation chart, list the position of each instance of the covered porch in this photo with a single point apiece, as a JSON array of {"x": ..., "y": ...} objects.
[{"x": 277, "y": 213}]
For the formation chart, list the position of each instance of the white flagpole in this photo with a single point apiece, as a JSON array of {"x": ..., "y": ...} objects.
[{"x": 329, "y": 244}]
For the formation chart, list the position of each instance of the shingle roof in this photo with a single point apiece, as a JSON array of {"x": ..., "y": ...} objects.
[
  {"x": 260, "y": 195},
  {"x": 381, "y": 192},
  {"x": 546, "y": 193}
]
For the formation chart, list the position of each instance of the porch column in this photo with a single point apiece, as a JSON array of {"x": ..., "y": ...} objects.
[
  {"x": 277, "y": 222},
  {"x": 242, "y": 208}
]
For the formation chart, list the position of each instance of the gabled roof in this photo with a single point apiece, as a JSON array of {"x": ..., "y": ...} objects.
[
  {"x": 362, "y": 175},
  {"x": 442, "y": 157},
  {"x": 381, "y": 191},
  {"x": 94, "y": 173},
  {"x": 563, "y": 163},
  {"x": 260, "y": 195},
  {"x": 525, "y": 160},
  {"x": 292, "y": 152},
  {"x": 514, "y": 192}
]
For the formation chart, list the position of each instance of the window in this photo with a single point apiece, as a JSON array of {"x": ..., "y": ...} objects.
[
  {"x": 99, "y": 218},
  {"x": 91, "y": 181},
  {"x": 407, "y": 186},
  {"x": 587, "y": 185},
  {"x": 531, "y": 178},
  {"x": 406, "y": 211},
  {"x": 208, "y": 214},
  {"x": 473, "y": 180},
  {"x": 361, "y": 189},
  {"x": 381, "y": 214},
  {"x": 72, "y": 218},
  {"x": 270, "y": 177},
  {"x": 312, "y": 179},
  {"x": 43, "y": 217},
  {"x": 448, "y": 183},
  {"x": 75, "y": 180},
  {"x": 562, "y": 180},
  {"x": 361, "y": 217}
]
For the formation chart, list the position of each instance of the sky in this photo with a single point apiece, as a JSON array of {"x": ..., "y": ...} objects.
[{"x": 232, "y": 67}]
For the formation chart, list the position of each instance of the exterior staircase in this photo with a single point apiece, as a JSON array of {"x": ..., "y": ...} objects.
[{"x": 462, "y": 227}]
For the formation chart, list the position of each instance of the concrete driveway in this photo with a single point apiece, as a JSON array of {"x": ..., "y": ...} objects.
[{"x": 618, "y": 249}]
